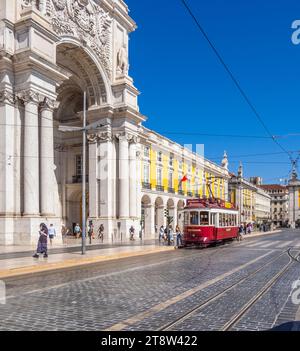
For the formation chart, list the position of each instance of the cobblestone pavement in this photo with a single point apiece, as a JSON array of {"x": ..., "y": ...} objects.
[{"x": 151, "y": 292}]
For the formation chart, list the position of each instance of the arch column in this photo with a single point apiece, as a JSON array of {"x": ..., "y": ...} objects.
[
  {"x": 47, "y": 158},
  {"x": 31, "y": 153},
  {"x": 123, "y": 176},
  {"x": 149, "y": 221},
  {"x": 133, "y": 177},
  {"x": 93, "y": 176}
]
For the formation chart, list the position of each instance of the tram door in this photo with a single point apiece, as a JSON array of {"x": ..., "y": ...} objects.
[{"x": 213, "y": 222}]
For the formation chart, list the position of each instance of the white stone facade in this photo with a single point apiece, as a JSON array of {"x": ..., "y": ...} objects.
[
  {"x": 262, "y": 208},
  {"x": 50, "y": 52},
  {"x": 279, "y": 203},
  {"x": 294, "y": 202}
]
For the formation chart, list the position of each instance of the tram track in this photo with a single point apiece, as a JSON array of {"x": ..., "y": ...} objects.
[{"x": 237, "y": 316}]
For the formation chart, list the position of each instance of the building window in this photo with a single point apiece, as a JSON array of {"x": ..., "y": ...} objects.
[
  {"x": 196, "y": 186},
  {"x": 180, "y": 176},
  {"x": 78, "y": 170},
  {"x": 147, "y": 151},
  {"x": 170, "y": 180},
  {"x": 159, "y": 156},
  {"x": 180, "y": 166},
  {"x": 159, "y": 176},
  {"x": 171, "y": 160},
  {"x": 146, "y": 173},
  {"x": 204, "y": 187},
  {"x": 216, "y": 189}
]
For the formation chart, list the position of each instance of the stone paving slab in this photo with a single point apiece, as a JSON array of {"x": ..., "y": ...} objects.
[
  {"x": 29, "y": 265},
  {"x": 258, "y": 234}
]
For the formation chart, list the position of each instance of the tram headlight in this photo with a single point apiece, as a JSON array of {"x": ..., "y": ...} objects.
[{"x": 205, "y": 239}]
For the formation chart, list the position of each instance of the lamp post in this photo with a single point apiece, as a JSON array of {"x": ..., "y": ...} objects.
[
  {"x": 83, "y": 244},
  {"x": 84, "y": 128}
]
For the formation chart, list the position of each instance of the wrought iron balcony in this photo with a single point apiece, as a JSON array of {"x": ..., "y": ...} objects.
[
  {"x": 180, "y": 192},
  {"x": 198, "y": 196},
  {"x": 78, "y": 179},
  {"x": 160, "y": 188},
  {"x": 146, "y": 185},
  {"x": 190, "y": 194},
  {"x": 171, "y": 190}
]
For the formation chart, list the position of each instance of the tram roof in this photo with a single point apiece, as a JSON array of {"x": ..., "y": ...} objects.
[{"x": 209, "y": 204}]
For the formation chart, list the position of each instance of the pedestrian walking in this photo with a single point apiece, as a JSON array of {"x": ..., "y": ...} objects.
[
  {"x": 51, "y": 233},
  {"x": 178, "y": 237},
  {"x": 170, "y": 234},
  {"x": 240, "y": 233},
  {"x": 101, "y": 232},
  {"x": 64, "y": 232},
  {"x": 166, "y": 235},
  {"x": 77, "y": 230},
  {"x": 131, "y": 233},
  {"x": 91, "y": 231},
  {"x": 161, "y": 233},
  {"x": 42, "y": 242}
]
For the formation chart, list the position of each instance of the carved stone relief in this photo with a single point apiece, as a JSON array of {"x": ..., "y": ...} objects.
[{"x": 86, "y": 21}]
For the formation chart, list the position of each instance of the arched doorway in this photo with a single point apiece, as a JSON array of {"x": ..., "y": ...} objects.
[
  {"x": 83, "y": 75},
  {"x": 172, "y": 213},
  {"x": 160, "y": 219},
  {"x": 147, "y": 221},
  {"x": 180, "y": 219}
]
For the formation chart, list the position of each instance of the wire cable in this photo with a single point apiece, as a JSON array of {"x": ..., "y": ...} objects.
[{"x": 234, "y": 79}]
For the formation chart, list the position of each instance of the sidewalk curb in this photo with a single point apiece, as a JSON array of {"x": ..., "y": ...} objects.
[
  {"x": 71, "y": 263},
  {"x": 249, "y": 236}
]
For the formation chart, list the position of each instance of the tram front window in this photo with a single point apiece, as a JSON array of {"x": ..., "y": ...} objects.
[
  {"x": 204, "y": 219},
  {"x": 194, "y": 218}
]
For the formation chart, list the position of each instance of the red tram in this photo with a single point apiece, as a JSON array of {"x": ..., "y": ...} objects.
[{"x": 209, "y": 221}]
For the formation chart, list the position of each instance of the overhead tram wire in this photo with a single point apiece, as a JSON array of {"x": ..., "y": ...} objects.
[
  {"x": 235, "y": 81},
  {"x": 254, "y": 155}
]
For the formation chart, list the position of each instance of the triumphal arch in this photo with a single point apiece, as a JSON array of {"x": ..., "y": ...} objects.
[{"x": 51, "y": 52}]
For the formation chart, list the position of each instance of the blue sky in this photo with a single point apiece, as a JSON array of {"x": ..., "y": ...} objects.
[{"x": 184, "y": 88}]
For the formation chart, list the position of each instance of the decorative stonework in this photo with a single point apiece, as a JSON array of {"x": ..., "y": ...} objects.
[
  {"x": 48, "y": 104},
  {"x": 7, "y": 97},
  {"x": 60, "y": 147},
  {"x": 92, "y": 138},
  {"x": 86, "y": 21},
  {"x": 99, "y": 137},
  {"x": 130, "y": 138},
  {"x": 27, "y": 96},
  {"x": 122, "y": 61}
]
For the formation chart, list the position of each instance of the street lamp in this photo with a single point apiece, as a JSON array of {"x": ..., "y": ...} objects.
[{"x": 84, "y": 129}]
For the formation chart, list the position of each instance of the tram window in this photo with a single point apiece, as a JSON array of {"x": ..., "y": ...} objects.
[
  {"x": 186, "y": 218},
  {"x": 213, "y": 219},
  {"x": 204, "y": 218},
  {"x": 223, "y": 220},
  {"x": 226, "y": 220},
  {"x": 194, "y": 218}
]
